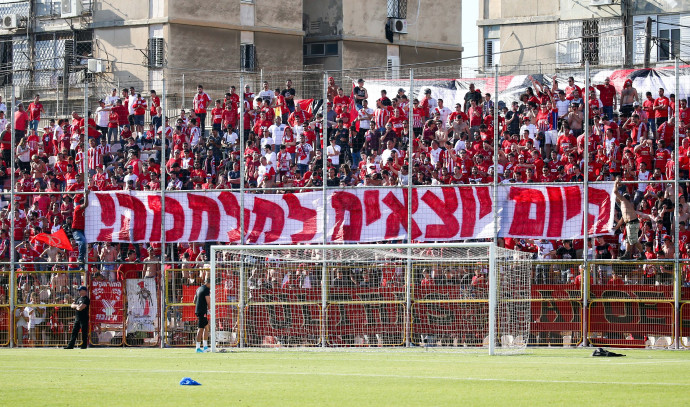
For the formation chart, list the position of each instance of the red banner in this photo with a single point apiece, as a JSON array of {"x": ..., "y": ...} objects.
[
  {"x": 106, "y": 302},
  {"x": 354, "y": 215}
]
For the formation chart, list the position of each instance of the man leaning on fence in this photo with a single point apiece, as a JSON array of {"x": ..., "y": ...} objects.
[{"x": 81, "y": 321}]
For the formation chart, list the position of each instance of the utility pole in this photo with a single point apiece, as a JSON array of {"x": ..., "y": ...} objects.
[
  {"x": 647, "y": 41},
  {"x": 628, "y": 44}
]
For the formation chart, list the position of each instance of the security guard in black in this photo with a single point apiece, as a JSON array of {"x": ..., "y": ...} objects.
[
  {"x": 81, "y": 322},
  {"x": 201, "y": 304}
]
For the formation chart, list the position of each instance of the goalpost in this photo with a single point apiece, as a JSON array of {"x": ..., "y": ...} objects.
[{"x": 455, "y": 295}]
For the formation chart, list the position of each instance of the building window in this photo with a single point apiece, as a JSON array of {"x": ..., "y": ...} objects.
[
  {"x": 331, "y": 48},
  {"x": 590, "y": 41},
  {"x": 492, "y": 45},
  {"x": 247, "y": 57},
  {"x": 397, "y": 8},
  {"x": 393, "y": 67},
  {"x": 491, "y": 52},
  {"x": 669, "y": 44},
  {"x": 156, "y": 53},
  {"x": 320, "y": 49}
]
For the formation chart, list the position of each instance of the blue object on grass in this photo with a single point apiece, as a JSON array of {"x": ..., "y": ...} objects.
[{"x": 188, "y": 381}]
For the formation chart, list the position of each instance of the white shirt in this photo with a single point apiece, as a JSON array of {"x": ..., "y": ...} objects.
[
  {"x": 562, "y": 106},
  {"x": 267, "y": 94},
  {"x": 194, "y": 136},
  {"x": 131, "y": 177},
  {"x": 335, "y": 159},
  {"x": 3, "y": 124},
  {"x": 3, "y": 107},
  {"x": 445, "y": 113},
  {"x": 435, "y": 155},
  {"x": 365, "y": 123},
  {"x": 230, "y": 138},
  {"x": 102, "y": 117},
  {"x": 266, "y": 141},
  {"x": 387, "y": 153},
  {"x": 271, "y": 160},
  {"x": 277, "y": 133},
  {"x": 303, "y": 152},
  {"x": 261, "y": 173},
  {"x": 130, "y": 105},
  {"x": 111, "y": 100},
  {"x": 460, "y": 145}
]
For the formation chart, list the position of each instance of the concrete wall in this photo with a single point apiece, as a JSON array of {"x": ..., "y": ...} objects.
[
  {"x": 278, "y": 52},
  {"x": 365, "y": 18},
  {"x": 363, "y": 55},
  {"x": 121, "y": 45},
  {"x": 282, "y": 13},
  {"x": 527, "y": 8},
  {"x": 203, "y": 47},
  {"x": 439, "y": 23},
  {"x": 410, "y": 55},
  {"x": 521, "y": 36},
  {"x": 116, "y": 12},
  {"x": 224, "y": 12}
]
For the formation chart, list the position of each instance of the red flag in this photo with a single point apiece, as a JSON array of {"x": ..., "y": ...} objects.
[
  {"x": 353, "y": 108},
  {"x": 58, "y": 239},
  {"x": 305, "y": 104}
]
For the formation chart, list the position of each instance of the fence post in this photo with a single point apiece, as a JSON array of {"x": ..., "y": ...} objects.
[
  {"x": 585, "y": 279},
  {"x": 164, "y": 281},
  {"x": 324, "y": 197},
  {"x": 183, "y": 94},
  {"x": 676, "y": 190},
  {"x": 240, "y": 310},
  {"x": 408, "y": 272},
  {"x": 13, "y": 278},
  {"x": 494, "y": 179}
]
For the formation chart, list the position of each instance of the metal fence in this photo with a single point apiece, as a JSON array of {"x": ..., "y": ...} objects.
[{"x": 621, "y": 303}]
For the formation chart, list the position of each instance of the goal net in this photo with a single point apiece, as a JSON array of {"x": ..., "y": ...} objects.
[{"x": 462, "y": 295}]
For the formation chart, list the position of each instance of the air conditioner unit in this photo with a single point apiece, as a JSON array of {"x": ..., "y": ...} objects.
[
  {"x": 95, "y": 65},
  {"x": 399, "y": 25},
  {"x": 10, "y": 21},
  {"x": 599, "y": 3},
  {"x": 71, "y": 8}
]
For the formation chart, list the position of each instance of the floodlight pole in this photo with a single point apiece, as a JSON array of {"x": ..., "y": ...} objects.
[
  {"x": 324, "y": 197},
  {"x": 408, "y": 272},
  {"x": 585, "y": 278},
  {"x": 162, "y": 180},
  {"x": 676, "y": 191},
  {"x": 240, "y": 307},
  {"x": 13, "y": 272}
]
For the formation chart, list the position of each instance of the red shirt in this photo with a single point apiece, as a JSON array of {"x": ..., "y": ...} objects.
[
  {"x": 217, "y": 115},
  {"x": 122, "y": 114},
  {"x": 201, "y": 102},
  {"x": 155, "y": 102},
  {"x": 20, "y": 120},
  {"x": 606, "y": 94},
  {"x": 35, "y": 111},
  {"x": 78, "y": 218},
  {"x": 663, "y": 102},
  {"x": 139, "y": 107}
]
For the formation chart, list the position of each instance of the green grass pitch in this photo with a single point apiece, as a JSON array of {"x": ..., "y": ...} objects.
[{"x": 395, "y": 377}]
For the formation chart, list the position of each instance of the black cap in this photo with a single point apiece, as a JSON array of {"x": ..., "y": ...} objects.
[{"x": 83, "y": 288}]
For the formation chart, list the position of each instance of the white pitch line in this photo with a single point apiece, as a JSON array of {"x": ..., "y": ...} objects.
[{"x": 284, "y": 373}]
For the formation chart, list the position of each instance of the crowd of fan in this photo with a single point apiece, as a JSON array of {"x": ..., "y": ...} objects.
[{"x": 541, "y": 139}]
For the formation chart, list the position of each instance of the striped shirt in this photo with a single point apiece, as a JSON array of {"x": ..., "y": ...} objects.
[{"x": 381, "y": 117}]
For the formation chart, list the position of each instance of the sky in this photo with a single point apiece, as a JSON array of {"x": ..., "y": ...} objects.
[{"x": 470, "y": 36}]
